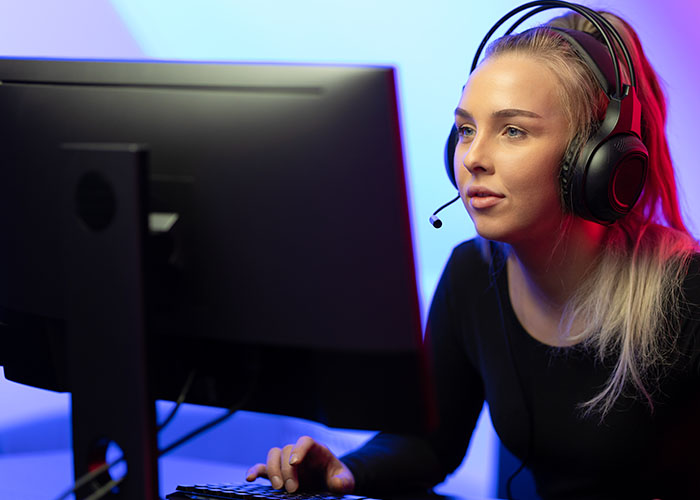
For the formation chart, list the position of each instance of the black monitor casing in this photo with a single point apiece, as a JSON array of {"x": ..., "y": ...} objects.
[{"x": 249, "y": 222}]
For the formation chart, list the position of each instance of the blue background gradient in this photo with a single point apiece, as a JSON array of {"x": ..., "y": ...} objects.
[{"x": 430, "y": 43}]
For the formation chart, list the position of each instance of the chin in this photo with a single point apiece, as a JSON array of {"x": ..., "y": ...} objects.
[
  {"x": 533, "y": 228},
  {"x": 490, "y": 226}
]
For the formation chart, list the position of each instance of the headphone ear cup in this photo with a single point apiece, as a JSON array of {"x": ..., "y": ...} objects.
[
  {"x": 566, "y": 173},
  {"x": 450, "y": 147},
  {"x": 606, "y": 183}
]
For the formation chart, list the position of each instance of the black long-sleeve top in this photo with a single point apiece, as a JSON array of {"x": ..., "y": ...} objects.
[{"x": 480, "y": 352}]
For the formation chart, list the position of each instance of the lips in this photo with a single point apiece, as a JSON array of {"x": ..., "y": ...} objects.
[{"x": 481, "y": 197}]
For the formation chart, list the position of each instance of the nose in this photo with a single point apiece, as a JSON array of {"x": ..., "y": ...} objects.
[{"x": 474, "y": 155}]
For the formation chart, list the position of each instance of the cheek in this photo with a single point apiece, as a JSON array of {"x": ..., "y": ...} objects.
[
  {"x": 537, "y": 189},
  {"x": 461, "y": 174},
  {"x": 456, "y": 166}
]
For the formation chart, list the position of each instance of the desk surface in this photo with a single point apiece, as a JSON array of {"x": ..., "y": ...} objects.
[{"x": 45, "y": 475}]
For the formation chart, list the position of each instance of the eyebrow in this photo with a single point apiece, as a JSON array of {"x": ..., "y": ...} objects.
[{"x": 503, "y": 113}]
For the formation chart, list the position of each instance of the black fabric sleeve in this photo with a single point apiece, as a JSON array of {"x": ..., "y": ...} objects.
[{"x": 393, "y": 463}]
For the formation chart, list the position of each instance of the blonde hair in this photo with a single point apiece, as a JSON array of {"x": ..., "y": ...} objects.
[{"x": 627, "y": 309}]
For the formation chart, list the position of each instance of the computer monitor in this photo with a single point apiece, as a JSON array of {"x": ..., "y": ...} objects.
[{"x": 249, "y": 222}]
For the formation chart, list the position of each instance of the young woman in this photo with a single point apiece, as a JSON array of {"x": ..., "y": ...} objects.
[{"x": 583, "y": 338}]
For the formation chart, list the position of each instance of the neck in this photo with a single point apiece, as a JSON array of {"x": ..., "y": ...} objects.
[{"x": 551, "y": 269}]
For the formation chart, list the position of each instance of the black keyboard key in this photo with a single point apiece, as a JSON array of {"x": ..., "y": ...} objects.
[{"x": 250, "y": 491}]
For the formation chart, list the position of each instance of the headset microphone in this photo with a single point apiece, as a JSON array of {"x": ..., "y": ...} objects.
[{"x": 434, "y": 220}]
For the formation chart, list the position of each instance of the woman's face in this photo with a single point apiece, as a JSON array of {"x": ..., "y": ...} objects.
[{"x": 513, "y": 133}]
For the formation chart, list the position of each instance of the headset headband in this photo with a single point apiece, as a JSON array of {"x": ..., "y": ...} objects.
[{"x": 601, "y": 24}]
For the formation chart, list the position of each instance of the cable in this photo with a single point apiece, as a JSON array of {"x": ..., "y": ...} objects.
[
  {"x": 104, "y": 490},
  {"x": 86, "y": 478},
  {"x": 98, "y": 494},
  {"x": 179, "y": 401},
  {"x": 199, "y": 430},
  {"x": 232, "y": 409}
]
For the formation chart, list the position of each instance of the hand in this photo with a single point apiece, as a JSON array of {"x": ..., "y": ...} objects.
[{"x": 308, "y": 464}]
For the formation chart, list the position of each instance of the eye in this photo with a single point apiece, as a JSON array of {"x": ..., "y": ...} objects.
[
  {"x": 465, "y": 132},
  {"x": 515, "y": 133}
]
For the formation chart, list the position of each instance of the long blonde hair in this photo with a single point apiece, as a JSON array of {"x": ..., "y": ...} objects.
[{"x": 627, "y": 308}]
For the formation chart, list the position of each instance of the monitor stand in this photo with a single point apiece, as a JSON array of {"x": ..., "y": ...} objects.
[{"x": 105, "y": 229}]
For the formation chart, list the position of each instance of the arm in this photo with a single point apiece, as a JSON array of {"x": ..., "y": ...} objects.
[{"x": 392, "y": 462}]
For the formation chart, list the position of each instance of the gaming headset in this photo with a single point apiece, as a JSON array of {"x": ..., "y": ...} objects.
[{"x": 603, "y": 179}]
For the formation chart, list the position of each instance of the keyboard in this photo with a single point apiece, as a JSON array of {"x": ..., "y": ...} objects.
[{"x": 249, "y": 491}]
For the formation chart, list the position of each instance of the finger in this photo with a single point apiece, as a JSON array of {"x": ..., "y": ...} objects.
[
  {"x": 300, "y": 449},
  {"x": 256, "y": 471},
  {"x": 273, "y": 468},
  {"x": 289, "y": 472}
]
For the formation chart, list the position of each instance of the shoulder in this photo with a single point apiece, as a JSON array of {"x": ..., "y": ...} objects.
[
  {"x": 691, "y": 288},
  {"x": 692, "y": 280},
  {"x": 689, "y": 341}
]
